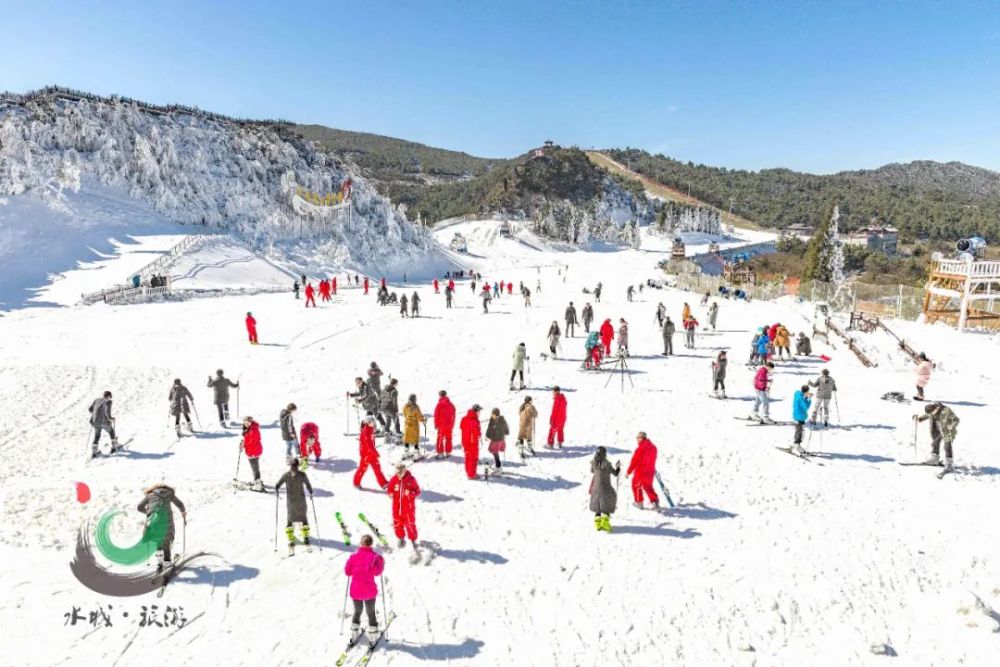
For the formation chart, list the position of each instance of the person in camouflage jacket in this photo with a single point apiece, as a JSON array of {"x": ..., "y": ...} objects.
[{"x": 944, "y": 426}]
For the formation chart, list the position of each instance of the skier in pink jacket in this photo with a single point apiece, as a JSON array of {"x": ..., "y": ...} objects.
[
  {"x": 924, "y": 367},
  {"x": 362, "y": 567}
]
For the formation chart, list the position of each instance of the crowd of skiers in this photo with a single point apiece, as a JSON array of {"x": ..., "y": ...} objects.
[{"x": 383, "y": 418}]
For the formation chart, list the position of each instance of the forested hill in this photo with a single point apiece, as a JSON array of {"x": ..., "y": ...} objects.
[
  {"x": 388, "y": 161},
  {"x": 923, "y": 199}
]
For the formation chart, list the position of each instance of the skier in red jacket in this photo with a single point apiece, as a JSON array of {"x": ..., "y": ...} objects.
[
  {"x": 470, "y": 440},
  {"x": 252, "y": 328},
  {"x": 451, "y": 284},
  {"x": 310, "y": 295},
  {"x": 324, "y": 290},
  {"x": 366, "y": 285},
  {"x": 368, "y": 454},
  {"x": 510, "y": 288},
  {"x": 436, "y": 286},
  {"x": 557, "y": 420},
  {"x": 444, "y": 422},
  {"x": 253, "y": 449},
  {"x": 607, "y": 335},
  {"x": 403, "y": 489},
  {"x": 309, "y": 441},
  {"x": 643, "y": 469}
]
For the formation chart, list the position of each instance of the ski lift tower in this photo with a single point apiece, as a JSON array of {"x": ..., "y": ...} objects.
[{"x": 964, "y": 290}]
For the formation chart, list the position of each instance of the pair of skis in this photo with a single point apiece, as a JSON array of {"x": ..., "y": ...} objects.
[
  {"x": 940, "y": 475},
  {"x": 346, "y": 534},
  {"x": 367, "y": 656}
]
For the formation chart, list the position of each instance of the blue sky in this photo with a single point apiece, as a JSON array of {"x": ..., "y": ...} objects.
[{"x": 815, "y": 86}]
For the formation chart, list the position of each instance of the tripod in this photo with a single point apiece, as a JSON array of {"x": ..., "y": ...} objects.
[{"x": 622, "y": 367}]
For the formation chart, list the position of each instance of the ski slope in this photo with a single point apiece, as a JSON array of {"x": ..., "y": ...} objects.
[{"x": 767, "y": 559}]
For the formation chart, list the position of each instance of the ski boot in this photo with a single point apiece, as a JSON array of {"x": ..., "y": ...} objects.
[
  {"x": 933, "y": 460},
  {"x": 723, "y": 394},
  {"x": 290, "y": 534},
  {"x": 178, "y": 429},
  {"x": 355, "y": 635},
  {"x": 948, "y": 466},
  {"x": 511, "y": 386},
  {"x": 606, "y": 523},
  {"x": 521, "y": 386},
  {"x": 599, "y": 522},
  {"x": 94, "y": 452},
  {"x": 638, "y": 505},
  {"x": 257, "y": 485},
  {"x": 766, "y": 420},
  {"x": 401, "y": 543},
  {"x": 372, "y": 634}
]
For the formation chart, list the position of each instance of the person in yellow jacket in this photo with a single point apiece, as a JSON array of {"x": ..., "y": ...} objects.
[
  {"x": 413, "y": 417},
  {"x": 686, "y": 313},
  {"x": 782, "y": 342}
]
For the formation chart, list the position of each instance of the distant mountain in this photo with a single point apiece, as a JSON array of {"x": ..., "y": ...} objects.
[
  {"x": 388, "y": 161},
  {"x": 923, "y": 199}
]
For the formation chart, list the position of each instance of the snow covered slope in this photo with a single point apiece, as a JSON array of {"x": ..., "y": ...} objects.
[
  {"x": 141, "y": 168},
  {"x": 766, "y": 560}
]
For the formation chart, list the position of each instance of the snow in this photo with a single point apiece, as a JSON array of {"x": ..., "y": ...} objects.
[{"x": 766, "y": 560}]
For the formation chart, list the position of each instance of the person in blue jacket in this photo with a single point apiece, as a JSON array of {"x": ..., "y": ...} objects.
[{"x": 800, "y": 413}]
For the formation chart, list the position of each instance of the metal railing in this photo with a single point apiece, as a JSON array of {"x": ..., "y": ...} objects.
[{"x": 147, "y": 272}]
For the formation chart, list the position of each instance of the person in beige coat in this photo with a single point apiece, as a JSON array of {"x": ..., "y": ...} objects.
[{"x": 526, "y": 426}]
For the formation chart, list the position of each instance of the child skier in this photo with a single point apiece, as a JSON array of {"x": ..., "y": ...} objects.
[
  {"x": 496, "y": 434},
  {"x": 719, "y": 375},
  {"x": 309, "y": 442}
]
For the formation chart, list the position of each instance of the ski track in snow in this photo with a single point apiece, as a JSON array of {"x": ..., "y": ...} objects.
[{"x": 765, "y": 560}]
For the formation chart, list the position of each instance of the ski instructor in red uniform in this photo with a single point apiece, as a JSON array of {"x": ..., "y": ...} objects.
[
  {"x": 557, "y": 420},
  {"x": 470, "y": 440},
  {"x": 251, "y": 328},
  {"x": 444, "y": 422},
  {"x": 403, "y": 489},
  {"x": 643, "y": 469}
]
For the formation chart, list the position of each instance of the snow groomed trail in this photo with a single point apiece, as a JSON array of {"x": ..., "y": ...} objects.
[{"x": 766, "y": 559}]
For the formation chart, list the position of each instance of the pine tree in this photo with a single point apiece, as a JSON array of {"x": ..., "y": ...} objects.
[{"x": 817, "y": 259}]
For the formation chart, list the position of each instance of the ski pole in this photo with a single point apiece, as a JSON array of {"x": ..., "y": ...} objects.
[
  {"x": 836, "y": 404},
  {"x": 197, "y": 418},
  {"x": 237, "y": 397},
  {"x": 315, "y": 521},
  {"x": 343, "y": 613},
  {"x": 915, "y": 425},
  {"x": 347, "y": 415},
  {"x": 239, "y": 457},
  {"x": 385, "y": 616},
  {"x": 277, "y": 494},
  {"x": 184, "y": 536}
]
